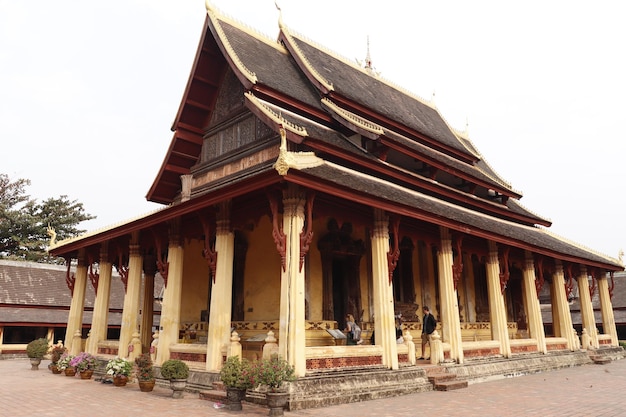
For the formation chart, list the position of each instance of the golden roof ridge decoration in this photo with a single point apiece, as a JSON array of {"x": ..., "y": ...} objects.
[
  {"x": 276, "y": 117},
  {"x": 212, "y": 13},
  {"x": 579, "y": 245},
  {"x": 354, "y": 118},
  {"x": 103, "y": 229},
  {"x": 286, "y": 31}
]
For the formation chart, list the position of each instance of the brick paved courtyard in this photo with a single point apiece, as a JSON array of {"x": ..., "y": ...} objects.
[{"x": 591, "y": 390}]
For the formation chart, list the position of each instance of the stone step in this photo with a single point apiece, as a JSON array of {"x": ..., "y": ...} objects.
[
  {"x": 217, "y": 396},
  {"x": 450, "y": 385},
  {"x": 600, "y": 360},
  {"x": 435, "y": 378}
]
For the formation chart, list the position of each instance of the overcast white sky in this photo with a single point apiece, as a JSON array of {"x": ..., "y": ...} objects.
[{"x": 89, "y": 90}]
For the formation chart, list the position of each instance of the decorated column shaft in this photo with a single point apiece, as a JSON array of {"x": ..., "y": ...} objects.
[
  {"x": 102, "y": 287},
  {"x": 586, "y": 308},
  {"x": 497, "y": 310},
  {"x": 147, "y": 310},
  {"x": 130, "y": 314},
  {"x": 292, "y": 340},
  {"x": 608, "y": 319},
  {"x": 384, "y": 322},
  {"x": 561, "y": 306},
  {"x": 218, "y": 337},
  {"x": 77, "y": 285},
  {"x": 170, "y": 310},
  {"x": 451, "y": 322},
  {"x": 533, "y": 309}
]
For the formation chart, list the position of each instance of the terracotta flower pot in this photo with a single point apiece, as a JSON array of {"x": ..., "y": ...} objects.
[
  {"x": 69, "y": 371},
  {"x": 55, "y": 369},
  {"x": 120, "y": 380},
  {"x": 86, "y": 374},
  {"x": 146, "y": 386}
]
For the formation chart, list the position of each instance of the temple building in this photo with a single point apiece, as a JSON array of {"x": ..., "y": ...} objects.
[{"x": 299, "y": 188}]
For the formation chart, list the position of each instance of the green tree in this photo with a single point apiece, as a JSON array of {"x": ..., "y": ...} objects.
[{"x": 24, "y": 221}]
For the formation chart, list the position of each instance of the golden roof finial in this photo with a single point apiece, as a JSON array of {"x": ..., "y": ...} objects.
[
  {"x": 280, "y": 14},
  {"x": 209, "y": 6},
  {"x": 466, "y": 131}
]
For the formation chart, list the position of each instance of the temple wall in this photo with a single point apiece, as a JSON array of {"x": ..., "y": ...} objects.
[
  {"x": 261, "y": 274},
  {"x": 195, "y": 284}
]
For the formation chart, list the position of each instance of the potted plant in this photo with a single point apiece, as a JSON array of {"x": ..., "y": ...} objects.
[
  {"x": 236, "y": 374},
  {"x": 84, "y": 363},
  {"x": 56, "y": 351},
  {"x": 274, "y": 373},
  {"x": 177, "y": 372},
  {"x": 35, "y": 351},
  {"x": 64, "y": 364},
  {"x": 120, "y": 369},
  {"x": 145, "y": 372}
]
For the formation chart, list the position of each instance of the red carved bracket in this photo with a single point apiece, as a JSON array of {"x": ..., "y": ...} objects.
[
  {"x": 280, "y": 239},
  {"x": 122, "y": 269},
  {"x": 94, "y": 277},
  {"x": 612, "y": 286},
  {"x": 457, "y": 264},
  {"x": 504, "y": 269},
  {"x": 209, "y": 253},
  {"x": 569, "y": 284},
  {"x": 306, "y": 236},
  {"x": 70, "y": 279},
  {"x": 592, "y": 287},
  {"x": 541, "y": 281},
  {"x": 162, "y": 263},
  {"x": 394, "y": 252}
]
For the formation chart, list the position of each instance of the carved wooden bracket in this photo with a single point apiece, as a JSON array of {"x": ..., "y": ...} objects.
[
  {"x": 612, "y": 286},
  {"x": 122, "y": 269},
  {"x": 539, "y": 282},
  {"x": 592, "y": 287},
  {"x": 504, "y": 269},
  {"x": 306, "y": 236},
  {"x": 162, "y": 263},
  {"x": 457, "y": 265},
  {"x": 569, "y": 284},
  {"x": 209, "y": 253},
  {"x": 280, "y": 239},
  {"x": 94, "y": 277},
  {"x": 70, "y": 279},
  {"x": 394, "y": 252}
]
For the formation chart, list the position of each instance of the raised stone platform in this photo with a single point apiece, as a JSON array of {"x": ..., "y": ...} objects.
[{"x": 340, "y": 387}]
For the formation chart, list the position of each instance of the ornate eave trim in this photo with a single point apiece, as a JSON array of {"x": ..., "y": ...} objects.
[
  {"x": 353, "y": 118},
  {"x": 296, "y": 160},
  {"x": 309, "y": 67},
  {"x": 276, "y": 117},
  {"x": 250, "y": 75}
]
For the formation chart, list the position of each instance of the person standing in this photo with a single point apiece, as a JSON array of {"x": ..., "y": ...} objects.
[{"x": 429, "y": 324}]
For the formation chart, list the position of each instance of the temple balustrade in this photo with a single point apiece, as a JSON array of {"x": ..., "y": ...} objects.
[
  {"x": 556, "y": 343},
  {"x": 604, "y": 339}
]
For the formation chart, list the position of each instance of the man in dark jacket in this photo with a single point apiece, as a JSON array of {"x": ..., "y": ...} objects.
[{"x": 428, "y": 327}]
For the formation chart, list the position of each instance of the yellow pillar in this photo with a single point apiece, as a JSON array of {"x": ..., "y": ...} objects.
[
  {"x": 497, "y": 311},
  {"x": 218, "y": 335},
  {"x": 586, "y": 308},
  {"x": 170, "y": 310},
  {"x": 561, "y": 307},
  {"x": 100, "y": 319},
  {"x": 608, "y": 319},
  {"x": 533, "y": 309},
  {"x": 451, "y": 324},
  {"x": 147, "y": 310},
  {"x": 130, "y": 314},
  {"x": 384, "y": 322},
  {"x": 77, "y": 306},
  {"x": 292, "y": 340}
]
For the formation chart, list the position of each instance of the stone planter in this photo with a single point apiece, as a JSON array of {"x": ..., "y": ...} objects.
[
  {"x": 178, "y": 386},
  {"x": 34, "y": 364},
  {"x": 235, "y": 396},
  {"x": 277, "y": 401},
  {"x": 146, "y": 386}
]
